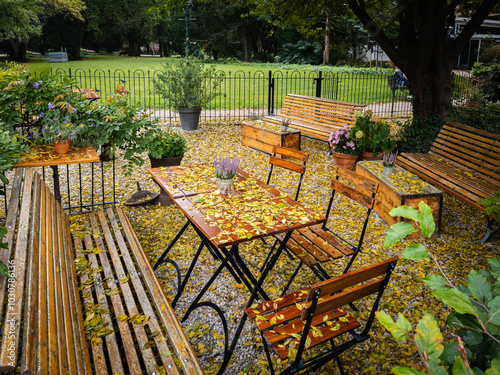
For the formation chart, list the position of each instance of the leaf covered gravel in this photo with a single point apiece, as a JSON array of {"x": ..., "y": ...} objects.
[{"x": 457, "y": 248}]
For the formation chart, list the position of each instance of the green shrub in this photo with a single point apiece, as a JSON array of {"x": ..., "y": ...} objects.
[
  {"x": 475, "y": 309},
  {"x": 418, "y": 134},
  {"x": 484, "y": 117}
]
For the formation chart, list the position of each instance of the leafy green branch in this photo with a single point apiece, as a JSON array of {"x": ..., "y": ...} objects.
[{"x": 475, "y": 309}]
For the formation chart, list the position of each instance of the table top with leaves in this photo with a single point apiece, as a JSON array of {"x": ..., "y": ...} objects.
[
  {"x": 252, "y": 209},
  {"x": 46, "y": 155}
]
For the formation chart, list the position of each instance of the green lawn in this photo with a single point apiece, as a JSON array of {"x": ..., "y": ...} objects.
[{"x": 245, "y": 84}]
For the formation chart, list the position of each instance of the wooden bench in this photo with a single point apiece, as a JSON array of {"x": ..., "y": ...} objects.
[
  {"x": 316, "y": 117},
  {"x": 87, "y": 305},
  {"x": 463, "y": 161},
  {"x": 57, "y": 56}
]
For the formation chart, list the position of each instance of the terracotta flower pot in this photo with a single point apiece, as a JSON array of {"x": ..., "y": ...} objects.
[
  {"x": 369, "y": 156},
  {"x": 62, "y": 147},
  {"x": 345, "y": 161}
]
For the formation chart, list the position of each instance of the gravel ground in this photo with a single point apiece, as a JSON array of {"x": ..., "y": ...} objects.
[{"x": 458, "y": 249}]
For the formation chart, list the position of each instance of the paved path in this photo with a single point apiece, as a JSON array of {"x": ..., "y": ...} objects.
[{"x": 401, "y": 109}]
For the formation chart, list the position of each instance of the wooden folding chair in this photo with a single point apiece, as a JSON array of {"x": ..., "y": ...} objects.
[
  {"x": 299, "y": 321},
  {"x": 316, "y": 245},
  {"x": 281, "y": 157}
]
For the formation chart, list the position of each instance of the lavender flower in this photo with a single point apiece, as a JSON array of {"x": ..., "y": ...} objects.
[
  {"x": 389, "y": 158},
  {"x": 42, "y": 114},
  {"x": 226, "y": 168},
  {"x": 36, "y": 85},
  {"x": 51, "y": 106}
]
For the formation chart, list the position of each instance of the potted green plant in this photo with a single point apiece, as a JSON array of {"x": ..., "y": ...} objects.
[
  {"x": 372, "y": 136},
  {"x": 345, "y": 152},
  {"x": 188, "y": 86},
  {"x": 166, "y": 148}
]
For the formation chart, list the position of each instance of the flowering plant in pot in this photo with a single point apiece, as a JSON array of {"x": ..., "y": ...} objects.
[
  {"x": 389, "y": 161},
  {"x": 225, "y": 170},
  {"x": 345, "y": 152},
  {"x": 372, "y": 136},
  {"x": 60, "y": 125},
  {"x": 188, "y": 86},
  {"x": 166, "y": 144}
]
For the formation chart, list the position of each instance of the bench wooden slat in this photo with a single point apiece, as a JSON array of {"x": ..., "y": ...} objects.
[
  {"x": 12, "y": 321},
  {"x": 153, "y": 323},
  {"x": 28, "y": 360},
  {"x": 117, "y": 308},
  {"x": 182, "y": 349},
  {"x": 76, "y": 308},
  {"x": 99, "y": 359}
]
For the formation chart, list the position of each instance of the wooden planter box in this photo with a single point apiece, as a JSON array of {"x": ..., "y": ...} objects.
[
  {"x": 401, "y": 188},
  {"x": 263, "y": 139}
]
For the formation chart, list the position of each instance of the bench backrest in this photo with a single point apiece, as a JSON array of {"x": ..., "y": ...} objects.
[
  {"x": 470, "y": 149},
  {"x": 314, "y": 110},
  {"x": 40, "y": 303}
]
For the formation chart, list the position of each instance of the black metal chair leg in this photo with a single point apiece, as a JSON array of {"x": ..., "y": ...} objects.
[
  {"x": 292, "y": 278},
  {"x": 490, "y": 233},
  {"x": 268, "y": 354}
]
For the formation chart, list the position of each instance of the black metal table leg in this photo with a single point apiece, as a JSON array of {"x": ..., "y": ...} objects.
[
  {"x": 57, "y": 188},
  {"x": 169, "y": 247},
  {"x": 228, "y": 353}
]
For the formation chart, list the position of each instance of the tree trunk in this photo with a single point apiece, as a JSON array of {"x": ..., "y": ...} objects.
[
  {"x": 246, "y": 50},
  {"x": 17, "y": 51},
  {"x": 134, "y": 47},
  {"x": 326, "y": 52}
]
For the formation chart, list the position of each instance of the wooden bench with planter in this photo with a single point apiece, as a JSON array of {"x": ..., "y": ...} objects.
[
  {"x": 316, "y": 117},
  {"x": 463, "y": 161},
  {"x": 82, "y": 298}
]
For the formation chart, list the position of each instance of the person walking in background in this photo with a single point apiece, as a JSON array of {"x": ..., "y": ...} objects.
[{"x": 401, "y": 80}]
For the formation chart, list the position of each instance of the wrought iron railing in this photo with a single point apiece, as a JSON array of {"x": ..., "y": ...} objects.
[{"x": 245, "y": 94}]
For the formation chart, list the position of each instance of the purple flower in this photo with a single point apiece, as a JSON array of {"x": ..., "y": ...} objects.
[
  {"x": 36, "y": 85},
  {"x": 42, "y": 114},
  {"x": 51, "y": 106}
]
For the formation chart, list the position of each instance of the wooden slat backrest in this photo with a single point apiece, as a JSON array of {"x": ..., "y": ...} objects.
[
  {"x": 348, "y": 288},
  {"x": 279, "y": 155},
  {"x": 471, "y": 149},
  {"x": 364, "y": 190},
  {"x": 319, "y": 110},
  {"x": 29, "y": 343},
  {"x": 13, "y": 290}
]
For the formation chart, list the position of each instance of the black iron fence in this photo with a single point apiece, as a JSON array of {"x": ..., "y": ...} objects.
[{"x": 245, "y": 94}]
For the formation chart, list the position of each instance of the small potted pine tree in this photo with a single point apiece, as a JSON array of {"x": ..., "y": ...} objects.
[{"x": 188, "y": 86}]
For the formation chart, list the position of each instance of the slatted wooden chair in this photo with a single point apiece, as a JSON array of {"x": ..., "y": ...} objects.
[
  {"x": 281, "y": 156},
  {"x": 299, "y": 321},
  {"x": 317, "y": 245}
]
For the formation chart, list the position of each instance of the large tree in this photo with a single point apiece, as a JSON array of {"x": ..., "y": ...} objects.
[
  {"x": 415, "y": 34},
  {"x": 425, "y": 48}
]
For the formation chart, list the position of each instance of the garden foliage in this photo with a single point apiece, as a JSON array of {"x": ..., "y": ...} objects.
[{"x": 475, "y": 309}]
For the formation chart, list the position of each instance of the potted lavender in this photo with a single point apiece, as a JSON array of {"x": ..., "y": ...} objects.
[
  {"x": 389, "y": 160},
  {"x": 225, "y": 170}
]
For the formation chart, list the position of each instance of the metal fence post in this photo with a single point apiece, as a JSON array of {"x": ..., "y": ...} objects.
[
  {"x": 318, "y": 84},
  {"x": 270, "y": 94}
]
